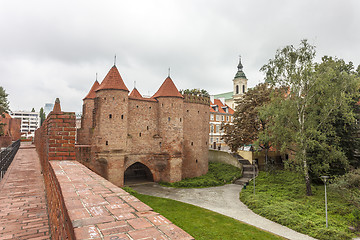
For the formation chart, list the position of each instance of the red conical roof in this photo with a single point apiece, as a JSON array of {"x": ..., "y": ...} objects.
[
  {"x": 168, "y": 89},
  {"x": 135, "y": 94},
  {"x": 92, "y": 94},
  {"x": 112, "y": 80}
]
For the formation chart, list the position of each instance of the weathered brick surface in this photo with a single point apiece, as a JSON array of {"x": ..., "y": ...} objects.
[
  {"x": 23, "y": 209},
  {"x": 100, "y": 210},
  {"x": 55, "y": 140}
]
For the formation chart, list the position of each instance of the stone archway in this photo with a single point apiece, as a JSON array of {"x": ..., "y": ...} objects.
[{"x": 137, "y": 173}]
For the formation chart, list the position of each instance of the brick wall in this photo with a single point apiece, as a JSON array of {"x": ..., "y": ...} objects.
[{"x": 55, "y": 140}]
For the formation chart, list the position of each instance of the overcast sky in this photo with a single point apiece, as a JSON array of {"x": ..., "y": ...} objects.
[{"x": 52, "y": 49}]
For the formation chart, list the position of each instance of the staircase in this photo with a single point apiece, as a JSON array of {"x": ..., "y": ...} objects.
[{"x": 248, "y": 171}]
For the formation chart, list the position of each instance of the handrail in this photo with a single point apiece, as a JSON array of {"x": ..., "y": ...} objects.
[{"x": 6, "y": 157}]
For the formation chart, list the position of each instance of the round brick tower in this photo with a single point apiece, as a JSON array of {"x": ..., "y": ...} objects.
[
  {"x": 84, "y": 134},
  {"x": 170, "y": 122},
  {"x": 110, "y": 125}
]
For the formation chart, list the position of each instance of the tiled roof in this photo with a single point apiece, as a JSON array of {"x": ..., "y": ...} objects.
[
  {"x": 221, "y": 107},
  {"x": 92, "y": 94},
  {"x": 135, "y": 94},
  {"x": 112, "y": 80},
  {"x": 168, "y": 89}
]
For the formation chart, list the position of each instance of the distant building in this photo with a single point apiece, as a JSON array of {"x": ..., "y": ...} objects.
[
  {"x": 48, "y": 108},
  {"x": 30, "y": 121},
  {"x": 239, "y": 88},
  {"x": 220, "y": 114}
]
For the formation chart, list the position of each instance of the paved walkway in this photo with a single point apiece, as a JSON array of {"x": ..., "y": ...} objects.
[
  {"x": 23, "y": 211},
  {"x": 224, "y": 200}
]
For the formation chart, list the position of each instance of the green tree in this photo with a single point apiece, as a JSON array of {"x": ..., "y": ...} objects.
[
  {"x": 247, "y": 124},
  {"x": 302, "y": 120},
  {"x": 33, "y": 110},
  {"x": 4, "y": 103},
  {"x": 42, "y": 116},
  {"x": 4, "y": 107}
]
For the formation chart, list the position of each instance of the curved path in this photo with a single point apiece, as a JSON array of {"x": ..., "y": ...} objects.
[{"x": 224, "y": 200}]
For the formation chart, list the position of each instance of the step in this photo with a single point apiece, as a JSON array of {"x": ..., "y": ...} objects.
[
  {"x": 248, "y": 174},
  {"x": 248, "y": 167},
  {"x": 244, "y": 162},
  {"x": 242, "y": 181}
]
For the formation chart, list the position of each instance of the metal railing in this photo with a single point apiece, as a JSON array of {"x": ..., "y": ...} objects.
[{"x": 6, "y": 157}]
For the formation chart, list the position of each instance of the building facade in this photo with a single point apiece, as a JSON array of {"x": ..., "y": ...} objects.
[
  {"x": 30, "y": 121},
  {"x": 239, "y": 88},
  {"x": 126, "y": 136},
  {"x": 220, "y": 114}
]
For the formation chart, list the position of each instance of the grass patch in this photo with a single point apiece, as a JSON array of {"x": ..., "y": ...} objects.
[
  {"x": 200, "y": 223},
  {"x": 280, "y": 196},
  {"x": 219, "y": 174}
]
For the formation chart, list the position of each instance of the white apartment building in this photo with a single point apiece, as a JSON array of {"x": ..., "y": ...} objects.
[{"x": 30, "y": 121}]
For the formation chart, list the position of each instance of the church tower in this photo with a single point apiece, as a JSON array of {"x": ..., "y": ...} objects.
[{"x": 239, "y": 82}]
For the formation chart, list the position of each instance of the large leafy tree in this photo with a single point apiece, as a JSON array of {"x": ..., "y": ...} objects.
[
  {"x": 4, "y": 103},
  {"x": 4, "y": 106},
  {"x": 303, "y": 119},
  {"x": 247, "y": 124}
]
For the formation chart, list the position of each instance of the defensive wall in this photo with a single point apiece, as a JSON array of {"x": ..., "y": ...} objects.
[
  {"x": 167, "y": 134},
  {"x": 84, "y": 205},
  {"x": 223, "y": 157}
]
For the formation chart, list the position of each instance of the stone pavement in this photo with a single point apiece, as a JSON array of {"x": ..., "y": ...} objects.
[
  {"x": 23, "y": 210},
  {"x": 224, "y": 200}
]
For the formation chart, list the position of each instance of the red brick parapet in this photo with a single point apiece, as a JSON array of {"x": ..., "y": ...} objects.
[{"x": 99, "y": 209}]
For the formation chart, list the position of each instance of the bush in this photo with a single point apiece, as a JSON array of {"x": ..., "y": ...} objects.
[{"x": 219, "y": 174}]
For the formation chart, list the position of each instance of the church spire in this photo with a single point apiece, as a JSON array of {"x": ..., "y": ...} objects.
[
  {"x": 240, "y": 66},
  {"x": 240, "y": 73}
]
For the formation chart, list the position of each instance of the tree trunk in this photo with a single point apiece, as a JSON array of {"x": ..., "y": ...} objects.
[
  {"x": 266, "y": 159},
  {"x": 306, "y": 173}
]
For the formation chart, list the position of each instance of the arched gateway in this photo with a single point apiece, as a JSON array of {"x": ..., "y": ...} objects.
[{"x": 137, "y": 173}]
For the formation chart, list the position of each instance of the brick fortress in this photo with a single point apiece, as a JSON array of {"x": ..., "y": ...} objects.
[{"x": 124, "y": 137}]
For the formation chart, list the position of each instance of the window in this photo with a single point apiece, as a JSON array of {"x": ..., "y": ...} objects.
[
  {"x": 217, "y": 140},
  {"x": 122, "y": 116},
  {"x": 243, "y": 88},
  {"x": 110, "y": 115},
  {"x": 147, "y": 128},
  {"x": 217, "y": 117},
  {"x": 180, "y": 119},
  {"x": 106, "y": 143},
  {"x": 217, "y": 128},
  {"x": 139, "y": 134},
  {"x": 192, "y": 143},
  {"x": 212, "y": 117},
  {"x": 211, "y": 140},
  {"x": 196, "y": 161},
  {"x": 169, "y": 119},
  {"x": 237, "y": 89},
  {"x": 211, "y": 129},
  {"x": 227, "y": 118},
  {"x": 222, "y": 118}
]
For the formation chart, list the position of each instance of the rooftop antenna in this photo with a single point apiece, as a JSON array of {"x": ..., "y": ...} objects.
[
  {"x": 115, "y": 60},
  {"x": 169, "y": 72},
  {"x": 96, "y": 77},
  {"x": 134, "y": 84}
]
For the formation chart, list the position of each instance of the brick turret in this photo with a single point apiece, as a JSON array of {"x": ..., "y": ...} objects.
[{"x": 171, "y": 108}]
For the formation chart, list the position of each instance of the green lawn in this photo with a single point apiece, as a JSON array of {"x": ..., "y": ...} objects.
[
  {"x": 280, "y": 196},
  {"x": 203, "y": 224},
  {"x": 219, "y": 174}
]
